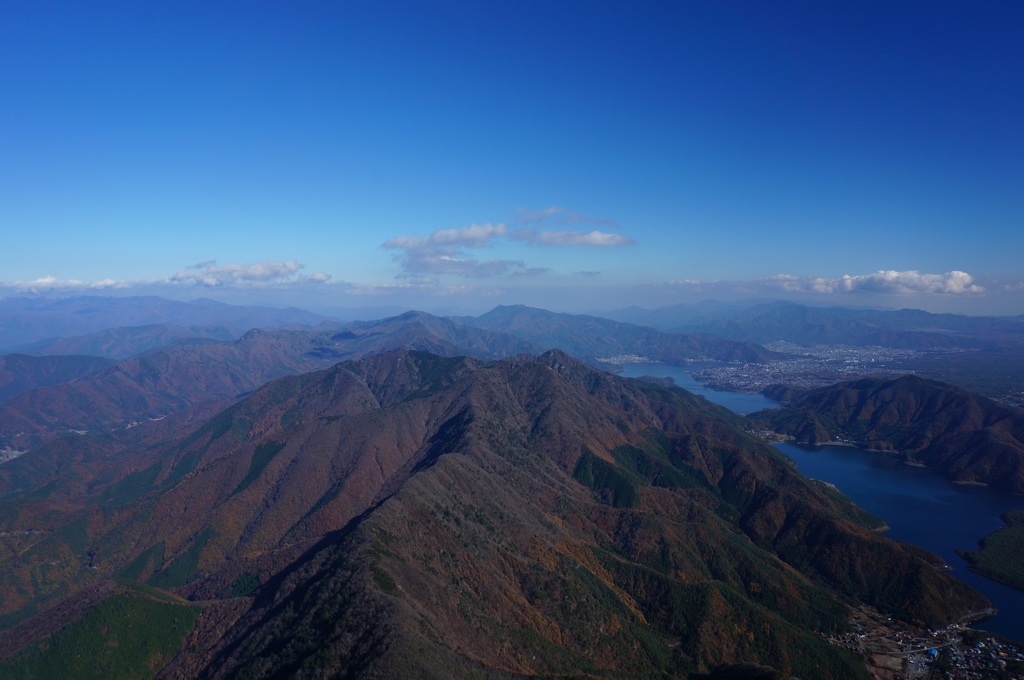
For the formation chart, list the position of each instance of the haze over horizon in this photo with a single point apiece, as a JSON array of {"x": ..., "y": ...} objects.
[{"x": 570, "y": 156}]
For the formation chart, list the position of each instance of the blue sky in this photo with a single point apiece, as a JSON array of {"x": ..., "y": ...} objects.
[{"x": 571, "y": 155}]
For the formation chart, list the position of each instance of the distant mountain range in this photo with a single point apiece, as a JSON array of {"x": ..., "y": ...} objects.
[
  {"x": 20, "y": 372},
  {"x": 966, "y": 436},
  {"x": 30, "y": 321},
  {"x": 408, "y": 512},
  {"x": 770, "y": 322},
  {"x": 201, "y": 373},
  {"x": 31, "y": 324},
  {"x": 594, "y": 338},
  {"x": 129, "y": 341},
  {"x": 982, "y": 354},
  {"x": 204, "y": 372}
]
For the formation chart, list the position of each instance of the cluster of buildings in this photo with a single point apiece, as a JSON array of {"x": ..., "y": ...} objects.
[
  {"x": 983, "y": 660},
  {"x": 896, "y": 652},
  {"x": 808, "y": 367}
]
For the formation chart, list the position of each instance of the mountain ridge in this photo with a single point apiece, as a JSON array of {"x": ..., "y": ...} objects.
[
  {"x": 127, "y": 341},
  {"x": 768, "y": 322},
  {"x": 197, "y": 372},
  {"x": 21, "y": 372},
  {"x": 28, "y": 320},
  {"x": 457, "y": 503},
  {"x": 595, "y": 338}
]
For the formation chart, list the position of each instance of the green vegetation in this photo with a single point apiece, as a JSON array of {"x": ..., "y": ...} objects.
[
  {"x": 652, "y": 469},
  {"x": 131, "y": 634},
  {"x": 328, "y": 496},
  {"x": 611, "y": 485},
  {"x": 243, "y": 586},
  {"x": 75, "y": 534},
  {"x": 999, "y": 556},
  {"x": 139, "y": 483},
  {"x": 650, "y": 466},
  {"x": 147, "y": 560},
  {"x": 261, "y": 457},
  {"x": 183, "y": 568},
  {"x": 706, "y": 618},
  {"x": 133, "y": 487},
  {"x": 383, "y": 580}
]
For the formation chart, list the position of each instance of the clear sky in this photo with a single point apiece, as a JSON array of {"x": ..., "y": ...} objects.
[{"x": 579, "y": 156}]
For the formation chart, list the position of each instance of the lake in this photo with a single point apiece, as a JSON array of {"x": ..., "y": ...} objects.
[
  {"x": 738, "y": 402},
  {"x": 923, "y": 508},
  {"x": 920, "y": 506}
]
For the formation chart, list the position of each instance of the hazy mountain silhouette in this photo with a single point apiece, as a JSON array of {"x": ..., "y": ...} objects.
[
  {"x": 767, "y": 322},
  {"x": 20, "y": 372},
  {"x": 591, "y": 337},
  {"x": 25, "y": 321},
  {"x": 128, "y": 341}
]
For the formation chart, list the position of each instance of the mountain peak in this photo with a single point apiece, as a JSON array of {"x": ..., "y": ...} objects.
[{"x": 528, "y": 516}]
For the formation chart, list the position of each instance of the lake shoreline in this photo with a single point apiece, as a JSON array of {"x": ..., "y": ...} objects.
[{"x": 916, "y": 503}]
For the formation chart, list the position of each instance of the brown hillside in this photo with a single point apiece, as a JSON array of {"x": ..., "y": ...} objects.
[{"x": 528, "y": 516}]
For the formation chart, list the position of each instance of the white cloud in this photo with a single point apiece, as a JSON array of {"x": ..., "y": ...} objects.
[
  {"x": 383, "y": 288},
  {"x": 555, "y": 213},
  {"x": 531, "y": 271},
  {"x": 208, "y": 274},
  {"x": 595, "y": 238},
  {"x": 885, "y": 281},
  {"x": 443, "y": 252},
  {"x": 428, "y": 287},
  {"x": 472, "y": 236},
  {"x": 416, "y": 263},
  {"x": 268, "y": 272},
  {"x": 211, "y": 275},
  {"x": 52, "y": 283},
  {"x": 804, "y": 284},
  {"x": 526, "y": 215}
]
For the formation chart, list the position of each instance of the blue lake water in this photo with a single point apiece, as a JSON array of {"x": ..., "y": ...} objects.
[
  {"x": 923, "y": 508},
  {"x": 920, "y": 506},
  {"x": 738, "y": 402}
]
